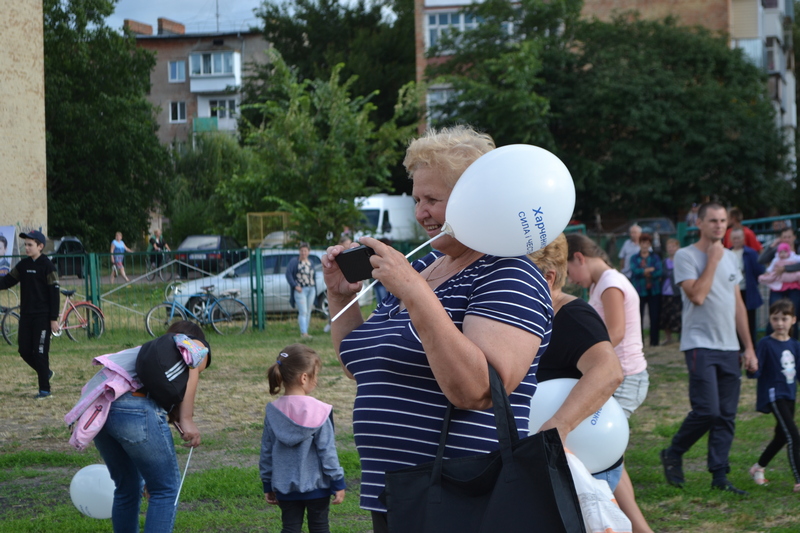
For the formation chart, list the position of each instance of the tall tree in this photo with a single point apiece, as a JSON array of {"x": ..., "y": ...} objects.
[
  {"x": 317, "y": 149},
  {"x": 374, "y": 41},
  {"x": 105, "y": 166},
  {"x": 647, "y": 115},
  {"x": 195, "y": 207}
]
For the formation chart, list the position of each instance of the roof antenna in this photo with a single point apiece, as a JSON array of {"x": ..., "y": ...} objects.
[{"x": 217, "y": 16}]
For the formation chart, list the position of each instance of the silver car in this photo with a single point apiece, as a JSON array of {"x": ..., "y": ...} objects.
[{"x": 276, "y": 288}]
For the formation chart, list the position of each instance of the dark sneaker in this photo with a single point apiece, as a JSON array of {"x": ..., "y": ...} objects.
[
  {"x": 42, "y": 395},
  {"x": 673, "y": 469},
  {"x": 727, "y": 486}
]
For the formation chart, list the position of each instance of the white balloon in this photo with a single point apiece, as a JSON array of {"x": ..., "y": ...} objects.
[
  {"x": 511, "y": 201},
  {"x": 599, "y": 441},
  {"x": 92, "y": 491}
]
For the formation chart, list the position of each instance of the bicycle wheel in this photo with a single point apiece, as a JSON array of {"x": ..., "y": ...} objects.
[
  {"x": 229, "y": 317},
  {"x": 84, "y": 322},
  {"x": 161, "y": 317},
  {"x": 9, "y": 298},
  {"x": 151, "y": 270},
  {"x": 10, "y": 325},
  {"x": 166, "y": 271}
]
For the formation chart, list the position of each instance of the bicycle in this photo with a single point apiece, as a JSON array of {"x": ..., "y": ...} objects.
[
  {"x": 10, "y": 323},
  {"x": 81, "y": 320},
  {"x": 156, "y": 268},
  {"x": 226, "y": 314}
]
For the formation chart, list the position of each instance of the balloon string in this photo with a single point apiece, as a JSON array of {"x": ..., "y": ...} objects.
[
  {"x": 445, "y": 231},
  {"x": 184, "y": 476}
]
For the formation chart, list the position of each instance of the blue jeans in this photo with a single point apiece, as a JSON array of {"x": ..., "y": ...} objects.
[
  {"x": 136, "y": 445},
  {"x": 305, "y": 304}
]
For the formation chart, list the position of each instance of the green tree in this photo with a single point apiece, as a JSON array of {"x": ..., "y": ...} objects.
[
  {"x": 314, "y": 36},
  {"x": 195, "y": 207},
  {"x": 317, "y": 150},
  {"x": 648, "y": 116},
  {"x": 105, "y": 166},
  {"x": 651, "y": 116}
]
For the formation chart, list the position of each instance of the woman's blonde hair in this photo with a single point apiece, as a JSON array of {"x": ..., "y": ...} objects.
[
  {"x": 553, "y": 257},
  {"x": 449, "y": 150}
]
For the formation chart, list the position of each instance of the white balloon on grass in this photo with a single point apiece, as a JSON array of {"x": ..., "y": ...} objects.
[
  {"x": 511, "y": 201},
  {"x": 92, "y": 491},
  {"x": 599, "y": 441}
]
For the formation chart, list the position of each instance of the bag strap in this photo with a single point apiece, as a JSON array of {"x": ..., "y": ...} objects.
[{"x": 507, "y": 434}]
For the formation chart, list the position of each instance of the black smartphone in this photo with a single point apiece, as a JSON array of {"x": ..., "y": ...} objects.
[{"x": 354, "y": 263}]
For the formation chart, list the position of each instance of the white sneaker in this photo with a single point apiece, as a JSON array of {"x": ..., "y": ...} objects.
[
  {"x": 327, "y": 328},
  {"x": 757, "y": 473}
]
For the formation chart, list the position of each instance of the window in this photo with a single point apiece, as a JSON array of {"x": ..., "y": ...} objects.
[
  {"x": 223, "y": 108},
  {"x": 440, "y": 24},
  {"x": 177, "y": 112},
  {"x": 211, "y": 63},
  {"x": 177, "y": 71}
]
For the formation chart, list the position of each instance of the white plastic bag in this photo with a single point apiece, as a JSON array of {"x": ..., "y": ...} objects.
[{"x": 601, "y": 514}]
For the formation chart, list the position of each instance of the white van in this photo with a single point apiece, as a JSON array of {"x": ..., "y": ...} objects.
[{"x": 390, "y": 216}]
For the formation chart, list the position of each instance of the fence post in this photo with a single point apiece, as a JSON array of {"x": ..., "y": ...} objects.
[
  {"x": 93, "y": 279},
  {"x": 257, "y": 288}
]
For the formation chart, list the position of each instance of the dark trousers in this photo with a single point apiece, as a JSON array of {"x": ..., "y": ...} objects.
[
  {"x": 292, "y": 515},
  {"x": 794, "y": 296},
  {"x": 34, "y": 346},
  {"x": 785, "y": 434},
  {"x": 380, "y": 522},
  {"x": 653, "y": 303},
  {"x": 714, "y": 380}
]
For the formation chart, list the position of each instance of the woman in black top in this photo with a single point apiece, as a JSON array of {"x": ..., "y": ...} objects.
[{"x": 580, "y": 348}]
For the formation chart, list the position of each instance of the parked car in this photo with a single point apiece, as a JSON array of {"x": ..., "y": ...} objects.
[
  {"x": 276, "y": 288},
  {"x": 67, "y": 254},
  {"x": 211, "y": 253},
  {"x": 660, "y": 225}
]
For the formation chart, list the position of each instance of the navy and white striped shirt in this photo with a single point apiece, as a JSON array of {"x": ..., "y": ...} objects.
[{"x": 399, "y": 407}]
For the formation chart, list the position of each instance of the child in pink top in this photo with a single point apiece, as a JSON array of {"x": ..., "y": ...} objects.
[
  {"x": 613, "y": 297},
  {"x": 787, "y": 280}
]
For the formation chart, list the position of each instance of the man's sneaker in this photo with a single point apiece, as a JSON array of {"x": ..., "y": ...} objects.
[
  {"x": 673, "y": 469},
  {"x": 757, "y": 473},
  {"x": 727, "y": 486},
  {"x": 42, "y": 395}
]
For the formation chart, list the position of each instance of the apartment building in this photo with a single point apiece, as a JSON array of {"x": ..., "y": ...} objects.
[
  {"x": 197, "y": 78},
  {"x": 761, "y": 28}
]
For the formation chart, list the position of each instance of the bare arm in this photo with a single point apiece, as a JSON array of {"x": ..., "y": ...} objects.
[
  {"x": 614, "y": 314},
  {"x": 185, "y": 410},
  {"x": 602, "y": 374},
  {"x": 458, "y": 360},
  {"x": 340, "y": 293},
  {"x": 697, "y": 289},
  {"x": 743, "y": 329}
]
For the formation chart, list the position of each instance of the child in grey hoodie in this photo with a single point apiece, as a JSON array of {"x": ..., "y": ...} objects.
[{"x": 299, "y": 466}]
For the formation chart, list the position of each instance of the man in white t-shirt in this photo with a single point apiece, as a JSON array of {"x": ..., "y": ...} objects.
[{"x": 713, "y": 314}]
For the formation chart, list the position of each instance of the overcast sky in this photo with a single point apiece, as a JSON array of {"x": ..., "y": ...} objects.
[{"x": 196, "y": 15}]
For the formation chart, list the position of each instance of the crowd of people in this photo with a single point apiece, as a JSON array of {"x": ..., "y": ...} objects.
[{"x": 439, "y": 324}]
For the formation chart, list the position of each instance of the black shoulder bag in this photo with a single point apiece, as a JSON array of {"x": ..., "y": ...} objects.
[{"x": 524, "y": 486}]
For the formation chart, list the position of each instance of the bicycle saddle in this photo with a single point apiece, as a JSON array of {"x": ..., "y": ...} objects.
[{"x": 67, "y": 293}]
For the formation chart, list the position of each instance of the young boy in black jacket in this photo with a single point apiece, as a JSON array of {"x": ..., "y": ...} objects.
[{"x": 39, "y": 299}]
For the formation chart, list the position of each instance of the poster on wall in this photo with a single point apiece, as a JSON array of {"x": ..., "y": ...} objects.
[{"x": 7, "y": 241}]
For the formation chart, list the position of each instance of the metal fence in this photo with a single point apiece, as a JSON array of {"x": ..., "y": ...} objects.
[{"x": 150, "y": 281}]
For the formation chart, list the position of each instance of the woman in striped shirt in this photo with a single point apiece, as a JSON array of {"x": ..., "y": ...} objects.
[{"x": 446, "y": 316}]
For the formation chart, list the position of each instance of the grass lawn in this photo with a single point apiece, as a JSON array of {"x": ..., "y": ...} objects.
[{"x": 223, "y": 491}]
